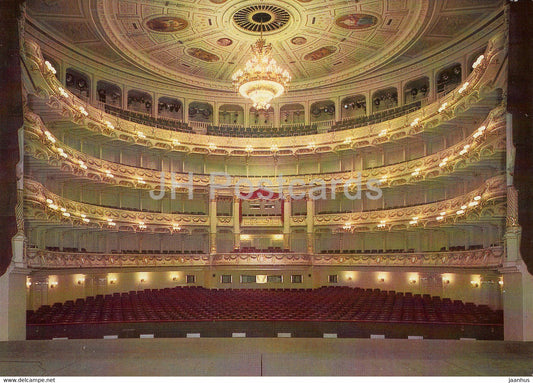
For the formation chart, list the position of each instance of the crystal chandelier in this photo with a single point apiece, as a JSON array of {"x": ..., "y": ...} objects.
[{"x": 262, "y": 79}]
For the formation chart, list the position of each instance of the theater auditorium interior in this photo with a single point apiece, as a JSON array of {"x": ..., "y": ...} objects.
[{"x": 228, "y": 187}]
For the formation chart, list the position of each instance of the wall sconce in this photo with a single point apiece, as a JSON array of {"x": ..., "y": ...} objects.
[
  {"x": 412, "y": 281},
  {"x": 500, "y": 282},
  {"x": 475, "y": 284},
  {"x": 446, "y": 281},
  {"x": 174, "y": 279},
  {"x": 112, "y": 281},
  {"x": 381, "y": 279},
  {"x": 142, "y": 280},
  {"x": 28, "y": 283},
  {"x": 53, "y": 284},
  {"x": 80, "y": 281}
]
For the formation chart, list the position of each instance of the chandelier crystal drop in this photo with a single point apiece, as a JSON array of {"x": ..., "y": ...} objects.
[{"x": 262, "y": 79}]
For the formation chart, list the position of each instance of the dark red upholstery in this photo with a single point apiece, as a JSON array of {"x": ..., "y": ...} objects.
[{"x": 323, "y": 304}]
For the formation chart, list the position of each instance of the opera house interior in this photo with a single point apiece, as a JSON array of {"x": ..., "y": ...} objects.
[{"x": 266, "y": 169}]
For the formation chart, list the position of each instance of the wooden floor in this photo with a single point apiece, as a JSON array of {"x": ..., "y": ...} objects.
[{"x": 262, "y": 356}]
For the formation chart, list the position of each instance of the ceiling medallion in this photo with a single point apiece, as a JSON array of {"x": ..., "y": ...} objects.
[
  {"x": 224, "y": 42},
  {"x": 261, "y": 18},
  {"x": 166, "y": 24},
  {"x": 356, "y": 21},
  {"x": 262, "y": 79},
  {"x": 299, "y": 40}
]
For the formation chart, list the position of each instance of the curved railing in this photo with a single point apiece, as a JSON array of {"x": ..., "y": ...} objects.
[
  {"x": 478, "y": 84},
  {"x": 485, "y": 201},
  {"x": 40, "y": 143},
  {"x": 481, "y": 258}
]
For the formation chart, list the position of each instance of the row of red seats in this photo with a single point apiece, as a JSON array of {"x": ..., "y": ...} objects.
[{"x": 325, "y": 304}]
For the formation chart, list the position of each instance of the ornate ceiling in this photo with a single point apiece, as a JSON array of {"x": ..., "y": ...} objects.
[{"x": 202, "y": 42}]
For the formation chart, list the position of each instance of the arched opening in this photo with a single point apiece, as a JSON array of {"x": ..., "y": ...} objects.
[
  {"x": 201, "y": 112},
  {"x": 292, "y": 114},
  {"x": 448, "y": 79},
  {"x": 139, "y": 101},
  {"x": 170, "y": 108},
  {"x": 322, "y": 111},
  {"x": 78, "y": 83},
  {"x": 231, "y": 115},
  {"x": 384, "y": 99},
  {"x": 261, "y": 118},
  {"x": 416, "y": 90},
  {"x": 109, "y": 93},
  {"x": 353, "y": 107}
]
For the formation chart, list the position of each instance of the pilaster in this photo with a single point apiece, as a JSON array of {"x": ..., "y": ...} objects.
[
  {"x": 236, "y": 222},
  {"x": 213, "y": 226},
  {"x": 310, "y": 219}
]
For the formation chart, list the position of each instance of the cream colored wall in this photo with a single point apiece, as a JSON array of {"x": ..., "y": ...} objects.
[
  {"x": 460, "y": 286},
  {"x": 66, "y": 286}
]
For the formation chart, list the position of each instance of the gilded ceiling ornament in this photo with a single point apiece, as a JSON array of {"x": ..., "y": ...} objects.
[
  {"x": 167, "y": 24},
  {"x": 356, "y": 21}
]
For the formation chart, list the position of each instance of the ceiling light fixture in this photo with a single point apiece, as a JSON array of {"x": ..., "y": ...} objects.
[{"x": 262, "y": 79}]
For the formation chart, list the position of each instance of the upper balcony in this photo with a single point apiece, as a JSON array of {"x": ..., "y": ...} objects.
[{"x": 370, "y": 129}]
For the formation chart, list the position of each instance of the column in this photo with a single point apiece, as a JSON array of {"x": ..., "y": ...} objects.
[
  {"x": 517, "y": 291},
  {"x": 185, "y": 111},
  {"x": 338, "y": 109},
  {"x": 125, "y": 99},
  {"x": 401, "y": 94},
  {"x": 432, "y": 86},
  {"x": 213, "y": 226},
  {"x": 155, "y": 105},
  {"x": 236, "y": 223},
  {"x": 310, "y": 219},
  {"x": 246, "y": 117},
  {"x": 13, "y": 297},
  {"x": 63, "y": 74},
  {"x": 307, "y": 113},
  {"x": 93, "y": 97},
  {"x": 464, "y": 68},
  {"x": 277, "y": 118},
  {"x": 153, "y": 110},
  {"x": 287, "y": 209},
  {"x": 215, "y": 114}
]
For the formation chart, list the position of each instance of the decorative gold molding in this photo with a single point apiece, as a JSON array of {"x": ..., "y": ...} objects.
[
  {"x": 35, "y": 196},
  {"x": 261, "y": 221},
  {"x": 481, "y": 81},
  {"x": 490, "y": 257},
  {"x": 492, "y": 193},
  {"x": 493, "y": 190},
  {"x": 40, "y": 147}
]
